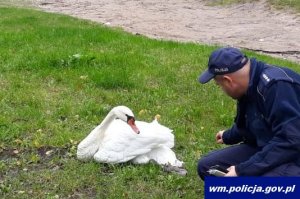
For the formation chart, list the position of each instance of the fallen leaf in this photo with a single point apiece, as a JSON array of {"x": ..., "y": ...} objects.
[{"x": 49, "y": 152}]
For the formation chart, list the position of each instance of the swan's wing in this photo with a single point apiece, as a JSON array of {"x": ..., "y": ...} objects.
[
  {"x": 121, "y": 144},
  {"x": 162, "y": 153},
  {"x": 157, "y": 133}
]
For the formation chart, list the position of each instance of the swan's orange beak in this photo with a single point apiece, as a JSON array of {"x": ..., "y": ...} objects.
[{"x": 131, "y": 123}]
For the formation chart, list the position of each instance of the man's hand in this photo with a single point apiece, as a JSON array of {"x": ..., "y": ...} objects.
[
  {"x": 219, "y": 137},
  {"x": 231, "y": 172}
]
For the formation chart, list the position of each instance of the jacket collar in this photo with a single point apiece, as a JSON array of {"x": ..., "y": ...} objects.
[{"x": 256, "y": 69}]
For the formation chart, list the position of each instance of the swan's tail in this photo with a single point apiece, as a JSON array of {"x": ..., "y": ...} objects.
[{"x": 164, "y": 156}]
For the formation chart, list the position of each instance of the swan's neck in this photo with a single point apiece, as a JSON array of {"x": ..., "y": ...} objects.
[
  {"x": 105, "y": 123},
  {"x": 90, "y": 145}
]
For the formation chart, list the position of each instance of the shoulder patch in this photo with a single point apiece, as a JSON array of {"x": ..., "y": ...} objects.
[
  {"x": 273, "y": 73},
  {"x": 265, "y": 77}
]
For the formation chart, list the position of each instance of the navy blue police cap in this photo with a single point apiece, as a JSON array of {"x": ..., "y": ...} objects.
[{"x": 223, "y": 61}]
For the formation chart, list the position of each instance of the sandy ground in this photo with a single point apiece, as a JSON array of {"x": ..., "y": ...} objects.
[{"x": 253, "y": 26}]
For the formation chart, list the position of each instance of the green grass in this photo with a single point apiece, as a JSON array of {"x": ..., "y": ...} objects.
[
  {"x": 290, "y": 4},
  {"x": 59, "y": 77},
  {"x": 280, "y": 4},
  {"x": 227, "y": 2}
]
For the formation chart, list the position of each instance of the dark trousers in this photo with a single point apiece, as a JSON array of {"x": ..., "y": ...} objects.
[{"x": 236, "y": 154}]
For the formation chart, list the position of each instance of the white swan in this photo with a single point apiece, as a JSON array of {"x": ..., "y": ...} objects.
[{"x": 120, "y": 139}]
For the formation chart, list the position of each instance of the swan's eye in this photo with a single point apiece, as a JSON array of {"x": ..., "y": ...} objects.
[{"x": 129, "y": 118}]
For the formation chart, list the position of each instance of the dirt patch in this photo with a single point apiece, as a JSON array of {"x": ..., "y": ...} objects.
[
  {"x": 49, "y": 157},
  {"x": 254, "y": 26}
]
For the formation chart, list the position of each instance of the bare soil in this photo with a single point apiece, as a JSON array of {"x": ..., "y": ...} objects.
[{"x": 255, "y": 26}]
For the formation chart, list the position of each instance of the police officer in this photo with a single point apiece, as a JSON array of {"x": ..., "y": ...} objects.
[{"x": 265, "y": 137}]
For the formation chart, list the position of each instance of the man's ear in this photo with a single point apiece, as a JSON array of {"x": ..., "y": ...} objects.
[{"x": 227, "y": 79}]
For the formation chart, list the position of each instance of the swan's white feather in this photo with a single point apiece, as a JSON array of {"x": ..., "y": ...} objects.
[{"x": 119, "y": 143}]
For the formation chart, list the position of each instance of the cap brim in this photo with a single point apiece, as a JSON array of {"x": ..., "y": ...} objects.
[{"x": 205, "y": 77}]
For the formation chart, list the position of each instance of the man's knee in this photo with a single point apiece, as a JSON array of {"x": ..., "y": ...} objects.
[{"x": 203, "y": 166}]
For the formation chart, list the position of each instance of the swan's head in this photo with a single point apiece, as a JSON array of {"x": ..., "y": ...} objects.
[{"x": 125, "y": 114}]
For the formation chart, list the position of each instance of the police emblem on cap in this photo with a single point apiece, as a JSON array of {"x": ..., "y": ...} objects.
[{"x": 221, "y": 70}]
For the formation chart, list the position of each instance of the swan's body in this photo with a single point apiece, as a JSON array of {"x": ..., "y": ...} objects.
[{"x": 114, "y": 141}]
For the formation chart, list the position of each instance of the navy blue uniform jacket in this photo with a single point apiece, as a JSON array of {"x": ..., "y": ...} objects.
[{"x": 268, "y": 116}]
